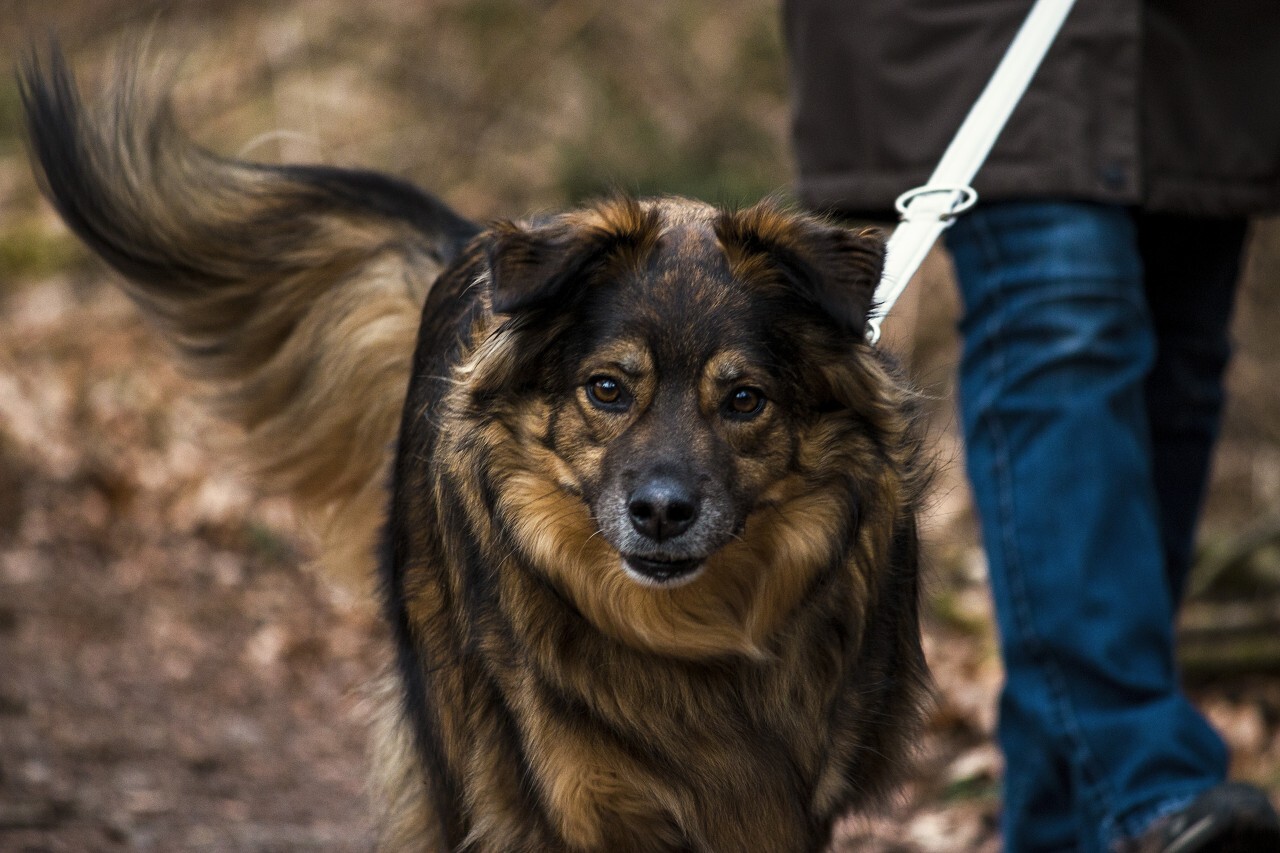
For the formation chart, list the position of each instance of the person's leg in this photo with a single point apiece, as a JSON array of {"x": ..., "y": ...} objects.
[
  {"x": 1192, "y": 265},
  {"x": 1057, "y": 345}
]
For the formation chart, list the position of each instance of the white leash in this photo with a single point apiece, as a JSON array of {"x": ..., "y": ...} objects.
[{"x": 929, "y": 210}]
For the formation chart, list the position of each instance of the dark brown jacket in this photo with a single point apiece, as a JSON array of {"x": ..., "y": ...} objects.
[{"x": 1169, "y": 104}]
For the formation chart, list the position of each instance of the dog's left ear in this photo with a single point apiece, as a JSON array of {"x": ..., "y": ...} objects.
[
  {"x": 840, "y": 269},
  {"x": 835, "y": 269}
]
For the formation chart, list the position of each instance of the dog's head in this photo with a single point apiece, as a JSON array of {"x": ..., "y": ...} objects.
[{"x": 681, "y": 422}]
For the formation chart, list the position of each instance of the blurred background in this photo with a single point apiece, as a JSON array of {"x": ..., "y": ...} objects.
[{"x": 172, "y": 677}]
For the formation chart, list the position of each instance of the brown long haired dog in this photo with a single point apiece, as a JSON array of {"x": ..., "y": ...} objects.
[{"x": 649, "y": 559}]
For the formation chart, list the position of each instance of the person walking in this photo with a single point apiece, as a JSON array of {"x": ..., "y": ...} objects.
[{"x": 1097, "y": 276}]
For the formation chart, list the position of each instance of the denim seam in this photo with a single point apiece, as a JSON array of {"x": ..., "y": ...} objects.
[
  {"x": 1137, "y": 822},
  {"x": 1092, "y": 783}
]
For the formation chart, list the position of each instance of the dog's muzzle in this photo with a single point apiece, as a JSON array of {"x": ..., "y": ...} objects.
[
  {"x": 665, "y": 527},
  {"x": 662, "y": 508}
]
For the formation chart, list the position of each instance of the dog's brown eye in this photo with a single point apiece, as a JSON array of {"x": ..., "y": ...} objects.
[
  {"x": 746, "y": 402},
  {"x": 607, "y": 392}
]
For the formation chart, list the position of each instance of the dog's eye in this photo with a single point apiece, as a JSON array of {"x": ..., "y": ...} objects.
[
  {"x": 607, "y": 393},
  {"x": 745, "y": 402}
]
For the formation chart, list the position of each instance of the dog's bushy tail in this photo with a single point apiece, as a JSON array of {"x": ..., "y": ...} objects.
[{"x": 297, "y": 291}]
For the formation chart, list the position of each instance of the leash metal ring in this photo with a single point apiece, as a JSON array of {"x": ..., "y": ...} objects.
[{"x": 968, "y": 198}]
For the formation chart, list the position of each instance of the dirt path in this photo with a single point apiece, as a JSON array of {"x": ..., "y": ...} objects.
[{"x": 170, "y": 678}]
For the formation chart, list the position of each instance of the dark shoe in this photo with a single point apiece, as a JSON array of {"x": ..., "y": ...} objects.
[{"x": 1228, "y": 818}]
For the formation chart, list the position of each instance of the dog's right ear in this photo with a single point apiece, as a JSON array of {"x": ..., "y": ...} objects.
[{"x": 530, "y": 267}]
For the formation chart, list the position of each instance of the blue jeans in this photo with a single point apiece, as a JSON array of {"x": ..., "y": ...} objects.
[{"x": 1095, "y": 340}]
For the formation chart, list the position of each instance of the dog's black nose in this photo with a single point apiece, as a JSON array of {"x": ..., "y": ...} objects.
[{"x": 662, "y": 508}]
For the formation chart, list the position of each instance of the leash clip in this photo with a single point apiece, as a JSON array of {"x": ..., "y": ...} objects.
[
  {"x": 968, "y": 197},
  {"x": 925, "y": 213}
]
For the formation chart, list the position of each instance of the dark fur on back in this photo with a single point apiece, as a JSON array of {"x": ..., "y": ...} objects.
[{"x": 571, "y": 674}]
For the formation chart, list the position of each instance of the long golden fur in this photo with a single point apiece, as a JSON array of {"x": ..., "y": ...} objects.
[{"x": 649, "y": 557}]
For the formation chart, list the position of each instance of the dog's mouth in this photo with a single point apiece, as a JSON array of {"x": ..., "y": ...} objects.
[{"x": 661, "y": 573}]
